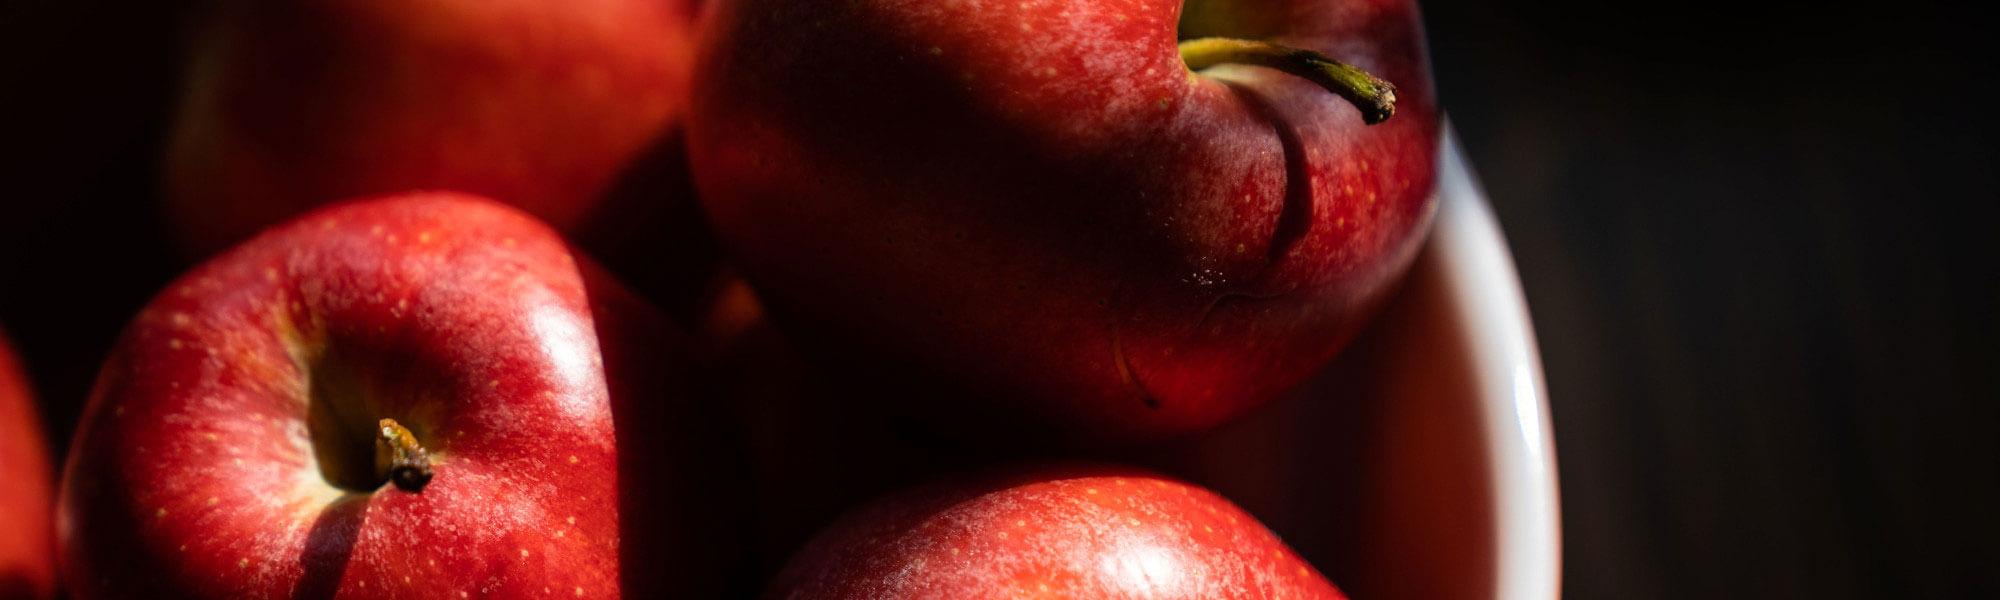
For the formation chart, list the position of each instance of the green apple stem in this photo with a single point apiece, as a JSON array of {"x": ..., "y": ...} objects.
[
  {"x": 400, "y": 459},
  {"x": 1376, "y": 98}
]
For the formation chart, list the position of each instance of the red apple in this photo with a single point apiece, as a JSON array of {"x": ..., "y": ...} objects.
[
  {"x": 420, "y": 396},
  {"x": 1043, "y": 205},
  {"x": 1066, "y": 532},
  {"x": 27, "y": 558},
  {"x": 548, "y": 106}
]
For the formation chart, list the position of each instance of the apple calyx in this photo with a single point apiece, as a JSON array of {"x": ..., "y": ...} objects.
[
  {"x": 1375, "y": 97},
  {"x": 400, "y": 459}
]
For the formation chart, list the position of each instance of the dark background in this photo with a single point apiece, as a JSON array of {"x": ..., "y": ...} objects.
[{"x": 1758, "y": 241}]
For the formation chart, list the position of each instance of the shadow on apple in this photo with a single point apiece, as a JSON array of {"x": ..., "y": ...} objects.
[{"x": 328, "y": 545}]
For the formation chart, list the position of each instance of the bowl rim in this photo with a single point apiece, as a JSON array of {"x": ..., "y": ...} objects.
[{"x": 1484, "y": 289}]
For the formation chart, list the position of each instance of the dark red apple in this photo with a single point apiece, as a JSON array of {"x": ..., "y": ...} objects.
[
  {"x": 543, "y": 105},
  {"x": 426, "y": 396},
  {"x": 1061, "y": 532},
  {"x": 1061, "y": 208},
  {"x": 27, "y": 541}
]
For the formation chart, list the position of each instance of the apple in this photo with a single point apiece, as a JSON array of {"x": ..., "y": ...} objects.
[
  {"x": 1061, "y": 211},
  {"x": 1051, "y": 532},
  {"x": 426, "y": 395},
  {"x": 569, "y": 110},
  {"x": 27, "y": 541}
]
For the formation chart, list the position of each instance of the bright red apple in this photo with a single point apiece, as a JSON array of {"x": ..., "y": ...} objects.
[
  {"x": 27, "y": 541},
  {"x": 425, "y": 396},
  {"x": 1062, "y": 208},
  {"x": 543, "y": 105},
  {"x": 1064, "y": 532}
]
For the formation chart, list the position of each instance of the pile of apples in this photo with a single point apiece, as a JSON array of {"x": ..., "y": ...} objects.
[{"x": 998, "y": 251}]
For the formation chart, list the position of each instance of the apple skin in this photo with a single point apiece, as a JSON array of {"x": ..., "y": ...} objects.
[
  {"x": 1038, "y": 206},
  {"x": 551, "y": 399},
  {"x": 548, "y": 106},
  {"x": 1051, "y": 532},
  {"x": 27, "y": 537}
]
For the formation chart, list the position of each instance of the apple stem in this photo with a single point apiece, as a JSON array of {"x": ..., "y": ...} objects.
[
  {"x": 1376, "y": 98},
  {"x": 400, "y": 458}
]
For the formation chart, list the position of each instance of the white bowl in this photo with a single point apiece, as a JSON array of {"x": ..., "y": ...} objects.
[{"x": 1420, "y": 465}]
